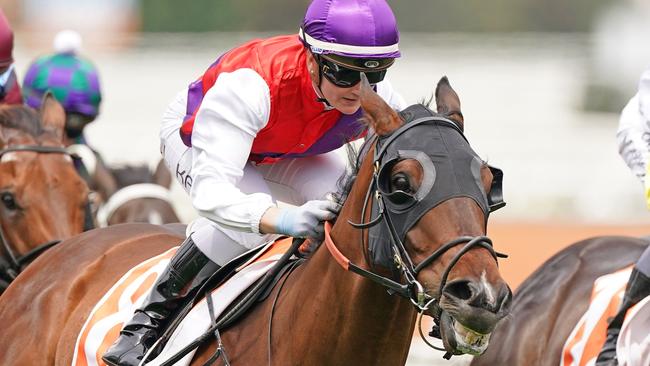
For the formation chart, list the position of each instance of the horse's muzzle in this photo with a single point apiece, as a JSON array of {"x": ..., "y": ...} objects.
[{"x": 470, "y": 312}]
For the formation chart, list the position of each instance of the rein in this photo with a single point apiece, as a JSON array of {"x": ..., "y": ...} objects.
[{"x": 11, "y": 267}]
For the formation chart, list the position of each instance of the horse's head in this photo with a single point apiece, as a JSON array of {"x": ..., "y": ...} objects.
[
  {"x": 42, "y": 198},
  {"x": 431, "y": 197}
]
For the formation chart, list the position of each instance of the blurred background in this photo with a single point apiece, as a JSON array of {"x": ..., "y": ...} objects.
[{"x": 541, "y": 85}]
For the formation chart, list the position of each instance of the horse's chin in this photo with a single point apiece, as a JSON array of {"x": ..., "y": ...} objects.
[{"x": 459, "y": 339}]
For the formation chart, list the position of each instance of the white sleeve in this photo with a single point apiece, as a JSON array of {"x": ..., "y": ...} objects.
[
  {"x": 644, "y": 95},
  {"x": 231, "y": 113},
  {"x": 390, "y": 96},
  {"x": 633, "y": 137}
]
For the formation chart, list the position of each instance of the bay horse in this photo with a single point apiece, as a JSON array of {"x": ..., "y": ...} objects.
[
  {"x": 551, "y": 301},
  {"x": 139, "y": 196},
  {"x": 419, "y": 179},
  {"x": 42, "y": 199}
]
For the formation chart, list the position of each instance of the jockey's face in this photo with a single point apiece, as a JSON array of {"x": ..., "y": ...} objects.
[{"x": 345, "y": 100}]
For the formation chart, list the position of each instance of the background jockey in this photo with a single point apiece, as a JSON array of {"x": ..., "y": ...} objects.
[
  {"x": 634, "y": 146},
  {"x": 260, "y": 125},
  {"x": 9, "y": 88},
  {"x": 74, "y": 82}
]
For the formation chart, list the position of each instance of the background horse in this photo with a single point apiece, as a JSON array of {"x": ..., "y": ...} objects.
[
  {"x": 139, "y": 196},
  {"x": 322, "y": 315},
  {"x": 42, "y": 197},
  {"x": 129, "y": 193},
  {"x": 551, "y": 301}
]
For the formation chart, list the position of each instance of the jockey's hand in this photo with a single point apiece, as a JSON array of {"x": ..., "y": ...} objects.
[{"x": 307, "y": 220}]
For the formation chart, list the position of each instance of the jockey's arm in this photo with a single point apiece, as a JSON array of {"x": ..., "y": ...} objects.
[
  {"x": 633, "y": 137},
  {"x": 634, "y": 133},
  {"x": 231, "y": 114}
]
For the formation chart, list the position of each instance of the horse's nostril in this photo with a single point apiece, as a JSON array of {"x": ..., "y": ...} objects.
[{"x": 458, "y": 289}]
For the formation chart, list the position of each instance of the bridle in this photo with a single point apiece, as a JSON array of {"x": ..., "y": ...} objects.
[
  {"x": 11, "y": 266},
  {"x": 410, "y": 288}
]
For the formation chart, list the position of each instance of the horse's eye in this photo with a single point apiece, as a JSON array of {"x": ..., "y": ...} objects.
[
  {"x": 400, "y": 182},
  {"x": 9, "y": 200}
]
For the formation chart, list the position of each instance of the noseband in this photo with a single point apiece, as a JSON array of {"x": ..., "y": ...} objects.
[
  {"x": 412, "y": 289},
  {"x": 11, "y": 266}
]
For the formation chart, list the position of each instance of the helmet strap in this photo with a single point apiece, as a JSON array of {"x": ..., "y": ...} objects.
[{"x": 320, "y": 98}]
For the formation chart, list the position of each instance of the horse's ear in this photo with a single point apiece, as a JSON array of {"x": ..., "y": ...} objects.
[
  {"x": 162, "y": 176},
  {"x": 380, "y": 116},
  {"x": 53, "y": 114},
  {"x": 3, "y": 114},
  {"x": 448, "y": 102}
]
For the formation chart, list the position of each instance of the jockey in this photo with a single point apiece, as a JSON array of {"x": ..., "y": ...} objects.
[
  {"x": 74, "y": 82},
  {"x": 634, "y": 146},
  {"x": 260, "y": 125},
  {"x": 9, "y": 88}
]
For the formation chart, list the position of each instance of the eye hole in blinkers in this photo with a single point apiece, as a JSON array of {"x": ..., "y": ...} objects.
[
  {"x": 398, "y": 199},
  {"x": 495, "y": 198}
]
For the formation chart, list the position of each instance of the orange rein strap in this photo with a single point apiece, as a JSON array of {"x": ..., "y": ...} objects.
[
  {"x": 336, "y": 253},
  {"x": 392, "y": 286}
]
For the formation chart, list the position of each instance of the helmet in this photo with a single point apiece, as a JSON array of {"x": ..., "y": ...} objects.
[
  {"x": 73, "y": 81},
  {"x": 6, "y": 42},
  {"x": 331, "y": 28}
]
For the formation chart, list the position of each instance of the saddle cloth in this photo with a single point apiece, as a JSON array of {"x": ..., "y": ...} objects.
[
  {"x": 588, "y": 336},
  {"x": 117, "y": 306}
]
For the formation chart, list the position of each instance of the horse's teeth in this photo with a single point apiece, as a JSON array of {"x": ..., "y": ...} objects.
[{"x": 470, "y": 341}]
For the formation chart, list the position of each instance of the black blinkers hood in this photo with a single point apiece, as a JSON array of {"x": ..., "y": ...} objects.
[{"x": 451, "y": 169}]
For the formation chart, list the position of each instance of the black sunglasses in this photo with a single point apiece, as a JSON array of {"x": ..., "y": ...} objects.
[{"x": 346, "y": 78}]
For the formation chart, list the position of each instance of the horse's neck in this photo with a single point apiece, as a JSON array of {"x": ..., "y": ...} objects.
[{"x": 361, "y": 320}]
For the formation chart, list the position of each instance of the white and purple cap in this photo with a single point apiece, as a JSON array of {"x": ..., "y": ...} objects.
[{"x": 364, "y": 29}]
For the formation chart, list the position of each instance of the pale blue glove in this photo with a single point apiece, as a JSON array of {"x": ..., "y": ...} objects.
[{"x": 307, "y": 220}]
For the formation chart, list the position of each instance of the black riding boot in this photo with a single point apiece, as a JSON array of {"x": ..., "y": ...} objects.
[
  {"x": 188, "y": 269},
  {"x": 638, "y": 287}
]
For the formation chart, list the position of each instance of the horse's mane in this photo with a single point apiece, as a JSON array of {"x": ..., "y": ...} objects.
[
  {"x": 21, "y": 118},
  {"x": 131, "y": 174},
  {"x": 355, "y": 158}
]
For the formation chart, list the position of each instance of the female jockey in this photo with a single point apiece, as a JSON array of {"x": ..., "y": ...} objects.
[
  {"x": 74, "y": 82},
  {"x": 261, "y": 125},
  {"x": 634, "y": 146},
  {"x": 9, "y": 88}
]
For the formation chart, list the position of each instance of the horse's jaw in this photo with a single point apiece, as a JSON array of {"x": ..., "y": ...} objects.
[{"x": 459, "y": 339}]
